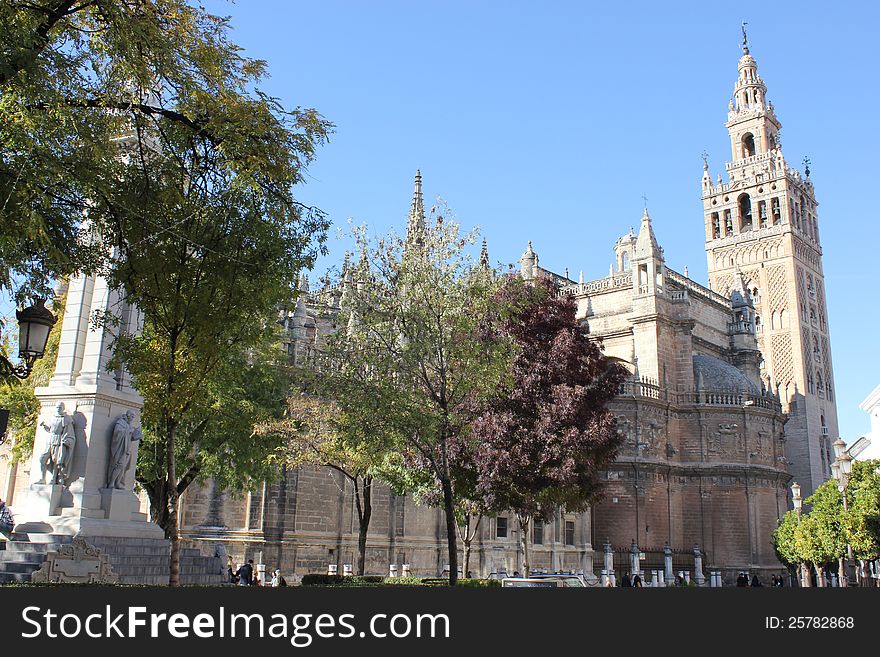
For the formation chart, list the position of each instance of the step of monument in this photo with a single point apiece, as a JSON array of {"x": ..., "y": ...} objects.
[
  {"x": 23, "y": 554},
  {"x": 9, "y": 578},
  {"x": 18, "y": 566},
  {"x": 13, "y": 546}
]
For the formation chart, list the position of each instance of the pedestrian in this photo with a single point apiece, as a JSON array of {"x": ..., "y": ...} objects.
[
  {"x": 230, "y": 570},
  {"x": 756, "y": 582},
  {"x": 7, "y": 522},
  {"x": 609, "y": 583},
  {"x": 278, "y": 579},
  {"x": 742, "y": 579},
  {"x": 679, "y": 580},
  {"x": 773, "y": 582},
  {"x": 625, "y": 582},
  {"x": 245, "y": 573},
  {"x": 637, "y": 582}
]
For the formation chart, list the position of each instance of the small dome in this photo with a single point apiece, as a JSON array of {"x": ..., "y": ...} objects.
[{"x": 715, "y": 374}]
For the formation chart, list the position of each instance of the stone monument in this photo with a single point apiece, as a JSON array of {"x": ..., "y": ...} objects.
[{"x": 88, "y": 438}]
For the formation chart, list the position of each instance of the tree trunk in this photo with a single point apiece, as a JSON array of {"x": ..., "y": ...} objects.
[
  {"x": 172, "y": 531},
  {"x": 524, "y": 524},
  {"x": 365, "y": 512},
  {"x": 841, "y": 572},
  {"x": 805, "y": 576},
  {"x": 820, "y": 576},
  {"x": 451, "y": 531}
]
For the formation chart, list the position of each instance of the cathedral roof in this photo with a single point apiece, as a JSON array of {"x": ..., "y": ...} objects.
[{"x": 712, "y": 373}]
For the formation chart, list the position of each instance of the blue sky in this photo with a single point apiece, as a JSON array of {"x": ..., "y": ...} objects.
[{"x": 549, "y": 121}]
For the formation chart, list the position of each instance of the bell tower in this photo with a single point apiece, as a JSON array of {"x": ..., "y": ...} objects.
[{"x": 763, "y": 222}]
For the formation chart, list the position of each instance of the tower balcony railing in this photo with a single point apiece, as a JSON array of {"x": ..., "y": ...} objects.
[
  {"x": 740, "y": 327},
  {"x": 752, "y": 159}
]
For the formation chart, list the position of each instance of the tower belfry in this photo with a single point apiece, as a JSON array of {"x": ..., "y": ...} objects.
[{"x": 763, "y": 222}]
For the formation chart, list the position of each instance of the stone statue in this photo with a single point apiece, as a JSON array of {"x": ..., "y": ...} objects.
[
  {"x": 124, "y": 433},
  {"x": 59, "y": 453}
]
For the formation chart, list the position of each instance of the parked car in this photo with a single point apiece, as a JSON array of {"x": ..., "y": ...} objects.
[
  {"x": 568, "y": 579},
  {"x": 539, "y": 582}
]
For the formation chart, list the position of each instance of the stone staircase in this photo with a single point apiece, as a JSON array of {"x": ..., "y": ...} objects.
[{"x": 135, "y": 560}]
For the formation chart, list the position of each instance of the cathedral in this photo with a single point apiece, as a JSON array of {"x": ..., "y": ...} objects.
[{"x": 730, "y": 398}]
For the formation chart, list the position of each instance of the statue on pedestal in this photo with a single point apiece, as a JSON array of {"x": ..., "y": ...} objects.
[
  {"x": 59, "y": 452},
  {"x": 124, "y": 434}
]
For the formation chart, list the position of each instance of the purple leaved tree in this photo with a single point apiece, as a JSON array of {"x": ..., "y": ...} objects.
[{"x": 541, "y": 443}]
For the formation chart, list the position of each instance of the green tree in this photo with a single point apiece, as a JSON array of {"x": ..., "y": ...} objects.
[
  {"x": 74, "y": 76},
  {"x": 146, "y": 118},
  {"x": 819, "y": 536},
  {"x": 862, "y": 518},
  {"x": 412, "y": 308},
  {"x": 217, "y": 435},
  {"x": 340, "y": 436},
  {"x": 784, "y": 543}
]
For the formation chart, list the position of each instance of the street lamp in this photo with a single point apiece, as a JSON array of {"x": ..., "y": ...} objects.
[
  {"x": 841, "y": 470},
  {"x": 798, "y": 502},
  {"x": 34, "y": 324}
]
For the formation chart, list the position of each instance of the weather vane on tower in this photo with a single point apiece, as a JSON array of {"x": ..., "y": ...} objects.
[{"x": 745, "y": 44}]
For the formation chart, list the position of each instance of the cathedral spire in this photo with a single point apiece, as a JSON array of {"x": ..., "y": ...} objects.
[
  {"x": 646, "y": 242},
  {"x": 484, "y": 255},
  {"x": 416, "y": 223}
]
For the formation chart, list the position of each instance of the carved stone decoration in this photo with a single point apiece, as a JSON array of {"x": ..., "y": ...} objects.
[
  {"x": 624, "y": 427},
  {"x": 77, "y": 562}
]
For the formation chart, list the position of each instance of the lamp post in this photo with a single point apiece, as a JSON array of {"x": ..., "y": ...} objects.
[
  {"x": 34, "y": 324},
  {"x": 798, "y": 502},
  {"x": 841, "y": 469}
]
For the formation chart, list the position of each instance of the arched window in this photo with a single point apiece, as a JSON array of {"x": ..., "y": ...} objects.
[
  {"x": 748, "y": 144},
  {"x": 744, "y": 202},
  {"x": 625, "y": 262},
  {"x": 782, "y": 319}
]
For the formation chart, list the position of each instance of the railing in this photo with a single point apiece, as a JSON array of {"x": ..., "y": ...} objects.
[
  {"x": 740, "y": 327},
  {"x": 647, "y": 388},
  {"x": 614, "y": 282},
  {"x": 690, "y": 285}
]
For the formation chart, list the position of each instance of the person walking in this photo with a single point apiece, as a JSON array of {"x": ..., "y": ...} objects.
[
  {"x": 637, "y": 582},
  {"x": 625, "y": 581},
  {"x": 756, "y": 582},
  {"x": 245, "y": 573},
  {"x": 278, "y": 579}
]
